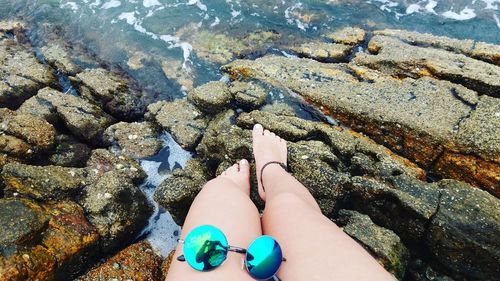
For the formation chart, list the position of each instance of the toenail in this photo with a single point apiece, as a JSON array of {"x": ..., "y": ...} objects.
[
  {"x": 244, "y": 162},
  {"x": 257, "y": 126}
]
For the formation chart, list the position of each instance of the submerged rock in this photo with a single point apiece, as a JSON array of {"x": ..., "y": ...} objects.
[
  {"x": 136, "y": 140},
  {"x": 394, "y": 112},
  {"x": 117, "y": 208},
  {"x": 112, "y": 91},
  {"x": 43, "y": 183},
  {"x": 181, "y": 119},
  {"x": 384, "y": 244},
  {"x": 59, "y": 57},
  {"x": 136, "y": 262}
]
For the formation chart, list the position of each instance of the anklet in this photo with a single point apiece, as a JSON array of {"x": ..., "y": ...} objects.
[{"x": 265, "y": 165}]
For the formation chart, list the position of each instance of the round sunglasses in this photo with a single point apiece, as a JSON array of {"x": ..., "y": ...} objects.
[{"x": 206, "y": 248}]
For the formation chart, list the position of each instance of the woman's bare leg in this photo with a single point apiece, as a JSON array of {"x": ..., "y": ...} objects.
[
  {"x": 315, "y": 248},
  {"x": 224, "y": 203}
]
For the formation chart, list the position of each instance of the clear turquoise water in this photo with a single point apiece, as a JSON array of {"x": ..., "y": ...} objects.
[{"x": 118, "y": 30}]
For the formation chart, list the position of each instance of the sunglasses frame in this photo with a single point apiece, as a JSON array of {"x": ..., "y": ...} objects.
[{"x": 238, "y": 250}]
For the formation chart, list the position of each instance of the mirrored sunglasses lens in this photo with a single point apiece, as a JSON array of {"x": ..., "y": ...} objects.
[
  {"x": 263, "y": 258},
  {"x": 205, "y": 248}
]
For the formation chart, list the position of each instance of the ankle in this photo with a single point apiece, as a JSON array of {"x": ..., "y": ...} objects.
[{"x": 271, "y": 174}]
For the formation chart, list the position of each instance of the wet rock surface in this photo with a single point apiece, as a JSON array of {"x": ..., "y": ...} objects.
[
  {"x": 347, "y": 35},
  {"x": 59, "y": 57}
]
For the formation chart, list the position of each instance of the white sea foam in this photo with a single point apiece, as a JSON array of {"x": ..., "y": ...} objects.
[
  {"x": 413, "y": 8},
  {"x": 71, "y": 5},
  {"x": 111, "y": 4},
  {"x": 496, "y": 20},
  {"x": 216, "y": 22},
  {"x": 466, "y": 14},
  {"x": 151, "y": 3},
  {"x": 177, "y": 154},
  {"x": 491, "y": 4},
  {"x": 198, "y": 4}
]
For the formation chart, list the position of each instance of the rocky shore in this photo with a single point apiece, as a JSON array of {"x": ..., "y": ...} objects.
[{"x": 395, "y": 133}]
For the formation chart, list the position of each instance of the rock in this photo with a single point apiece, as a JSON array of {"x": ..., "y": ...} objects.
[
  {"x": 69, "y": 152},
  {"x": 21, "y": 74},
  {"x": 33, "y": 130},
  {"x": 136, "y": 140},
  {"x": 220, "y": 48},
  {"x": 71, "y": 239},
  {"x": 136, "y": 262},
  {"x": 248, "y": 95},
  {"x": 181, "y": 119},
  {"x": 463, "y": 234},
  {"x": 347, "y": 35},
  {"x": 321, "y": 51},
  {"x": 392, "y": 56},
  {"x": 478, "y": 50},
  {"x": 178, "y": 191},
  {"x": 349, "y": 146},
  {"x": 394, "y": 112},
  {"x": 112, "y": 91},
  {"x": 211, "y": 97},
  {"x": 15, "y": 147},
  {"x": 117, "y": 208},
  {"x": 43, "y": 183},
  {"x": 429, "y": 40},
  {"x": 384, "y": 244},
  {"x": 179, "y": 72},
  {"x": 315, "y": 166},
  {"x": 21, "y": 223},
  {"x": 166, "y": 264},
  {"x": 405, "y": 205},
  {"x": 85, "y": 120},
  {"x": 102, "y": 161},
  {"x": 59, "y": 252},
  {"x": 224, "y": 141},
  {"x": 59, "y": 58}
]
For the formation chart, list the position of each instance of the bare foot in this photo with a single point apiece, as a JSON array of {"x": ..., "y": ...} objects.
[
  {"x": 239, "y": 174},
  {"x": 267, "y": 147}
]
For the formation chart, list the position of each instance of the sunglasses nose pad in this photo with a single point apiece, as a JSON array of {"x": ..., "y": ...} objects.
[
  {"x": 205, "y": 248},
  {"x": 263, "y": 258}
]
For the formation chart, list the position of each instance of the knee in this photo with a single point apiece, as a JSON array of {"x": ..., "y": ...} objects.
[{"x": 285, "y": 201}]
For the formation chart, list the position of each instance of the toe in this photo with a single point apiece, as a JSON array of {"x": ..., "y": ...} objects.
[
  {"x": 233, "y": 169},
  {"x": 267, "y": 133},
  {"x": 258, "y": 130},
  {"x": 244, "y": 166}
]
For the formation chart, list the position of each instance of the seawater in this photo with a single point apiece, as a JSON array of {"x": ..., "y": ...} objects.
[{"x": 124, "y": 32}]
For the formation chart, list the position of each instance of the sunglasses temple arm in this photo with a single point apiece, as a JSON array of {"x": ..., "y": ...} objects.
[
  {"x": 275, "y": 278},
  {"x": 237, "y": 250}
]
